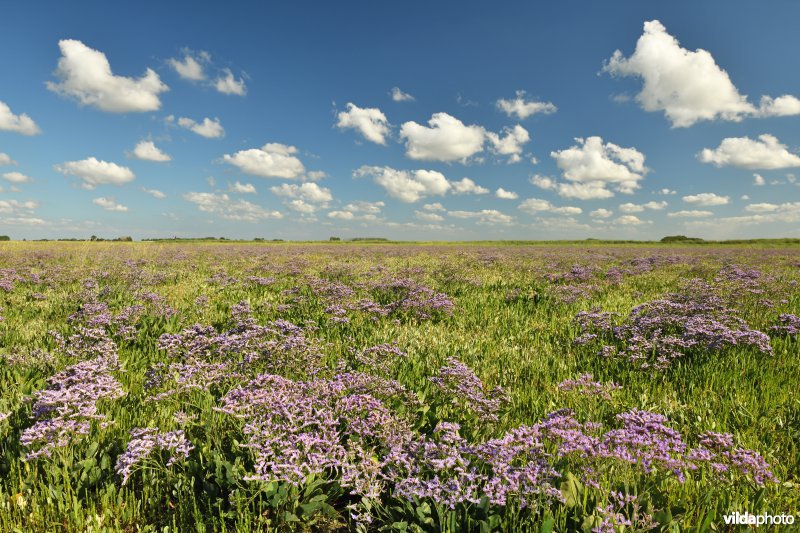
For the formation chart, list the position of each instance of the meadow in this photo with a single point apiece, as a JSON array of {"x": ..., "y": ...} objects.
[{"x": 381, "y": 387}]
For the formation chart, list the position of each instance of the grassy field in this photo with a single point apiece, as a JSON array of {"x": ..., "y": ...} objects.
[{"x": 426, "y": 387}]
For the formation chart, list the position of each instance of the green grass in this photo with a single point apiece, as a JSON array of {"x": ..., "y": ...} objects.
[{"x": 521, "y": 342}]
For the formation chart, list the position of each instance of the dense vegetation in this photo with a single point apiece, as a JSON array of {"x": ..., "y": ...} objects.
[{"x": 181, "y": 387}]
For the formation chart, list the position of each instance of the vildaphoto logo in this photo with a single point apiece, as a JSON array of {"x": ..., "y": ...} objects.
[{"x": 747, "y": 519}]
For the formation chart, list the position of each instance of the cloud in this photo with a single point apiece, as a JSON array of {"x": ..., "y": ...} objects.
[
  {"x": 692, "y": 213},
  {"x": 667, "y": 192},
  {"x": 190, "y": 68},
  {"x": 484, "y": 216},
  {"x": 436, "y": 206},
  {"x": 400, "y": 96},
  {"x": 638, "y": 208},
  {"x": 305, "y": 198},
  {"x": 222, "y": 205},
  {"x": 109, "y": 204},
  {"x": 536, "y": 205},
  {"x": 762, "y": 208},
  {"x": 407, "y": 186},
  {"x": 428, "y": 216},
  {"x": 148, "y": 151},
  {"x": 448, "y": 139},
  {"x": 758, "y": 180},
  {"x": 155, "y": 193},
  {"x": 601, "y": 213},
  {"x": 369, "y": 122},
  {"x": 744, "y": 152},
  {"x": 17, "y": 177},
  {"x": 591, "y": 167},
  {"x": 467, "y": 186},
  {"x": 511, "y": 144},
  {"x": 227, "y": 84},
  {"x": 630, "y": 220},
  {"x": 5, "y": 159},
  {"x": 341, "y": 215},
  {"x": 85, "y": 75},
  {"x": 523, "y": 109},
  {"x": 782, "y": 106},
  {"x": 16, "y": 207},
  {"x": 94, "y": 172},
  {"x": 706, "y": 199},
  {"x": 21, "y": 123},
  {"x": 273, "y": 160},
  {"x": 372, "y": 208},
  {"x": 210, "y": 129},
  {"x": 505, "y": 195},
  {"x": 687, "y": 86},
  {"x": 242, "y": 188},
  {"x": 444, "y": 139}
]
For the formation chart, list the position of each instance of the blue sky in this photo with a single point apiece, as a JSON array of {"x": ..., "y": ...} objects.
[{"x": 419, "y": 120}]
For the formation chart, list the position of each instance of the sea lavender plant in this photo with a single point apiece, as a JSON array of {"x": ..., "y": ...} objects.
[
  {"x": 463, "y": 388},
  {"x": 144, "y": 442}
]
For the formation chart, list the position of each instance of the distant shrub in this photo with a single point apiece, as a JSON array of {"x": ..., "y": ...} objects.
[
  {"x": 5, "y": 238},
  {"x": 681, "y": 238}
]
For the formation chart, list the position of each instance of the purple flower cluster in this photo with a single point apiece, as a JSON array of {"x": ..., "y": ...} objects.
[
  {"x": 144, "y": 442},
  {"x": 379, "y": 357},
  {"x": 69, "y": 404},
  {"x": 586, "y": 386},
  {"x": 787, "y": 325},
  {"x": 463, "y": 388},
  {"x": 658, "y": 332},
  {"x": 720, "y": 453},
  {"x": 280, "y": 346},
  {"x": 299, "y": 428},
  {"x": 614, "y": 514}
]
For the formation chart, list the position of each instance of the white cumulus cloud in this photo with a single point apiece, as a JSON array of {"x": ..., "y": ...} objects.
[
  {"x": 601, "y": 213},
  {"x": 427, "y": 216},
  {"x": 521, "y": 108},
  {"x": 242, "y": 188},
  {"x": 592, "y": 166},
  {"x": 407, "y": 186},
  {"x": 148, "y": 151},
  {"x": 687, "y": 86},
  {"x": 484, "y": 216},
  {"x": 305, "y": 198},
  {"x": 5, "y": 159},
  {"x": 537, "y": 205},
  {"x": 690, "y": 213},
  {"x": 758, "y": 180},
  {"x": 706, "y": 199},
  {"x": 208, "y": 128},
  {"x": 509, "y": 142},
  {"x": 225, "y": 207},
  {"x": 17, "y": 177},
  {"x": 155, "y": 193},
  {"x": 743, "y": 152},
  {"x": 467, "y": 186},
  {"x": 400, "y": 96},
  {"x": 273, "y": 160},
  {"x": 228, "y": 84},
  {"x": 95, "y": 172},
  {"x": 190, "y": 68},
  {"x": 85, "y": 75},
  {"x": 505, "y": 195},
  {"x": 109, "y": 204},
  {"x": 369, "y": 122},
  {"x": 444, "y": 139},
  {"x": 630, "y": 220},
  {"x": 638, "y": 208},
  {"x": 21, "y": 123}
]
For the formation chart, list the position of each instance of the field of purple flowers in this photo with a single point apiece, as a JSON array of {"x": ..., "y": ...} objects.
[{"x": 231, "y": 387}]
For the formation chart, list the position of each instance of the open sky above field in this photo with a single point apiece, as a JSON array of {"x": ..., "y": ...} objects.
[{"x": 420, "y": 120}]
